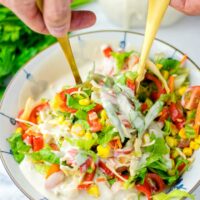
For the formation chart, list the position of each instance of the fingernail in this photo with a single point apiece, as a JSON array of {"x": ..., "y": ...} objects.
[{"x": 58, "y": 31}]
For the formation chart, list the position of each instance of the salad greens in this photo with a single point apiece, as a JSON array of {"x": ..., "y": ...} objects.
[{"x": 103, "y": 131}]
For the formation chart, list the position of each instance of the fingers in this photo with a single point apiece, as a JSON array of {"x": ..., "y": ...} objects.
[
  {"x": 190, "y": 7},
  {"x": 28, "y": 12},
  {"x": 57, "y": 16},
  {"x": 82, "y": 19}
]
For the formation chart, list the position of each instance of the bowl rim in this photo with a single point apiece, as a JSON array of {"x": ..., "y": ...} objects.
[{"x": 6, "y": 167}]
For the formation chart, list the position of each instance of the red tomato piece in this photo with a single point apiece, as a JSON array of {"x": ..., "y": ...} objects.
[
  {"x": 160, "y": 90},
  {"x": 181, "y": 168},
  {"x": 67, "y": 91},
  {"x": 131, "y": 84},
  {"x": 155, "y": 182},
  {"x": 36, "y": 110},
  {"x": 176, "y": 115},
  {"x": 107, "y": 51},
  {"x": 164, "y": 114},
  {"x": 145, "y": 189},
  {"x": 94, "y": 122},
  {"x": 191, "y": 98},
  {"x": 96, "y": 109},
  {"x": 144, "y": 107},
  {"x": 28, "y": 139},
  {"x": 38, "y": 143}
]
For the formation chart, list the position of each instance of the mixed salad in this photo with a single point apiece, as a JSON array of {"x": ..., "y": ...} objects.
[{"x": 104, "y": 132}]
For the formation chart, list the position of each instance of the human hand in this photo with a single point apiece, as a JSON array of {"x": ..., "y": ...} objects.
[
  {"x": 57, "y": 18},
  {"x": 190, "y": 7}
]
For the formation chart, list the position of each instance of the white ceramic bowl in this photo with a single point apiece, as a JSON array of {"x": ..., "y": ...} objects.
[{"x": 49, "y": 70}]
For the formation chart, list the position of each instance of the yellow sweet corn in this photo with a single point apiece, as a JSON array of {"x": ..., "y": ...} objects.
[
  {"x": 171, "y": 172},
  {"x": 18, "y": 130},
  {"x": 61, "y": 119},
  {"x": 57, "y": 101},
  {"x": 88, "y": 135},
  {"x": 159, "y": 66},
  {"x": 197, "y": 139},
  {"x": 194, "y": 145},
  {"x": 172, "y": 142},
  {"x": 94, "y": 191},
  {"x": 187, "y": 151},
  {"x": 165, "y": 74},
  {"x": 182, "y": 133},
  {"x": 182, "y": 90},
  {"x": 103, "y": 115},
  {"x": 103, "y": 151},
  {"x": 78, "y": 130},
  {"x": 84, "y": 102}
]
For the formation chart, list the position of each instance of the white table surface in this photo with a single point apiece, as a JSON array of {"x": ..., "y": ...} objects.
[{"x": 185, "y": 35}]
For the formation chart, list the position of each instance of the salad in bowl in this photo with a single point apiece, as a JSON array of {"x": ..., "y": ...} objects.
[{"x": 103, "y": 139}]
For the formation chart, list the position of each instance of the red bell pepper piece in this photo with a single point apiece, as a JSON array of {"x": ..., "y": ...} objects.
[
  {"x": 105, "y": 169},
  {"x": 86, "y": 182},
  {"x": 145, "y": 189},
  {"x": 160, "y": 90}
]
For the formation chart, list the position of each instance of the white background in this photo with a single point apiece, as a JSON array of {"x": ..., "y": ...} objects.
[{"x": 185, "y": 35}]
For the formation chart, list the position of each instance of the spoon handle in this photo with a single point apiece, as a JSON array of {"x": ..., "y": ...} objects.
[
  {"x": 156, "y": 11},
  {"x": 66, "y": 47}
]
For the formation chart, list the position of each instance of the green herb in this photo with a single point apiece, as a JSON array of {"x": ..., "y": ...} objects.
[
  {"x": 45, "y": 155},
  {"x": 112, "y": 181},
  {"x": 18, "y": 147}
]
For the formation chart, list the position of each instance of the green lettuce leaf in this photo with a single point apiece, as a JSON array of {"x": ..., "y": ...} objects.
[
  {"x": 18, "y": 147},
  {"x": 45, "y": 155},
  {"x": 175, "y": 194},
  {"x": 189, "y": 131},
  {"x": 73, "y": 103},
  {"x": 168, "y": 63}
]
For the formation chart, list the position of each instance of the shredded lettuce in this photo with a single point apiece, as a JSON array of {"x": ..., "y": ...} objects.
[
  {"x": 175, "y": 194},
  {"x": 18, "y": 147},
  {"x": 153, "y": 112},
  {"x": 189, "y": 131}
]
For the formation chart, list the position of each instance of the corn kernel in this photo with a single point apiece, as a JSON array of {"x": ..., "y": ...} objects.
[
  {"x": 159, "y": 66},
  {"x": 94, "y": 191},
  {"x": 187, "y": 151},
  {"x": 165, "y": 74},
  {"x": 88, "y": 135},
  {"x": 103, "y": 115},
  {"x": 172, "y": 142},
  {"x": 194, "y": 145},
  {"x": 174, "y": 154},
  {"x": 78, "y": 130},
  {"x": 197, "y": 139},
  {"x": 57, "y": 101},
  {"x": 103, "y": 151},
  {"x": 173, "y": 163},
  {"x": 61, "y": 119},
  {"x": 18, "y": 130},
  {"x": 171, "y": 172},
  {"x": 182, "y": 90},
  {"x": 84, "y": 102},
  {"x": 182, "y": 133}
]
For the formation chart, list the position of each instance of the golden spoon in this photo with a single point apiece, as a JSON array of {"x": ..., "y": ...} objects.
[
  {"x": 156, "y": 11},
  {"x": 66, "y": 47}
]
